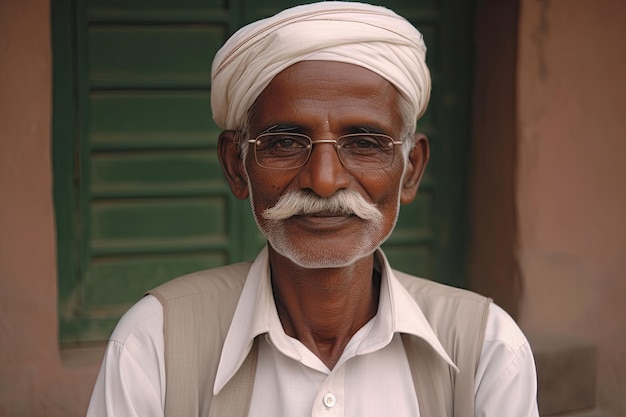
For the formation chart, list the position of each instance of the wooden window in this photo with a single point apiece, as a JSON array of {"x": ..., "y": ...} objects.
[{"x": 139, "y": 194}]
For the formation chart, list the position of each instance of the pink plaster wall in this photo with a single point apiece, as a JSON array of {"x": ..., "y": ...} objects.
[
  {"x": 33, "y": 381},
  {"x": 571, "y": 196}
]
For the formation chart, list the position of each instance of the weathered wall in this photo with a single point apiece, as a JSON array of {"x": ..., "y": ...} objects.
[
  {"x": 571, "y": 197},
  {"x": 33, "y": 381}
]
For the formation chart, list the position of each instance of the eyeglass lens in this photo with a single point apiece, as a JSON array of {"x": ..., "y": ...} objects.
[{"x": 292, "y": 150}]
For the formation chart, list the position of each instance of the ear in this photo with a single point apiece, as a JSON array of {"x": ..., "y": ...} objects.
[
  {"x": 233, "y": 166},
  {"x": 418, "y": 158}
]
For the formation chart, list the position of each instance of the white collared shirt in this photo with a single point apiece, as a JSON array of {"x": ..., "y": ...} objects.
[{"x": 371, "y": 379}]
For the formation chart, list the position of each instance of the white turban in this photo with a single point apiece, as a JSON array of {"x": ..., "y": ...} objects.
[{"x": 369, "y": 36}]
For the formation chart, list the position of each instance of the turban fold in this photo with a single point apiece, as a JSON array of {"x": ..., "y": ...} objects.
[{"x": 369, "y": 36}]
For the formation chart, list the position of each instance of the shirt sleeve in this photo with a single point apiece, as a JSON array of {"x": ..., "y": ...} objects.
[
  {"x": 131, "y": 381},
  {"x": 506, "y": 379}
]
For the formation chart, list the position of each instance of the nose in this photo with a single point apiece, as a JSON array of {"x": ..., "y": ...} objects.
[{"x": 323, "y": 174}]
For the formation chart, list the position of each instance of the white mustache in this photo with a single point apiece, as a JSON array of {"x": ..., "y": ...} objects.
[{"x": 344, "y": 202}]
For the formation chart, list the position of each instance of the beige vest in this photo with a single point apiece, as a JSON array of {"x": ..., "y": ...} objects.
[{"x": 198, "y": 308}]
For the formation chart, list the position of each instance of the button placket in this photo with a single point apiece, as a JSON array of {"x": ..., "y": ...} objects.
[{"x": 329, "y": 401}]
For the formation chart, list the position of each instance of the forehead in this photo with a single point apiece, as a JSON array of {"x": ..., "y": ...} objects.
[{"x": 315, "y": 93}]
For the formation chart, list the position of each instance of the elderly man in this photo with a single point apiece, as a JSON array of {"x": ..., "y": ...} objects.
[{"x": 318, "y": 105}]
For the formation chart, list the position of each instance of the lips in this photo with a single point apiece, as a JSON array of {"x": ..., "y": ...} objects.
[
  {"x": 326, "y": 214},
  {"x": 323, "y": 220}
]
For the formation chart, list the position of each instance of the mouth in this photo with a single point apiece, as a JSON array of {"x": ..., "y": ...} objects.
[
  {"x": 325, "y": 214},
  {"x": 324, "y": 219}
]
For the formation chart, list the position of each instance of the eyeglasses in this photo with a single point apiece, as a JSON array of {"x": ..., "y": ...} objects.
[{"x": 292, "y": 150}]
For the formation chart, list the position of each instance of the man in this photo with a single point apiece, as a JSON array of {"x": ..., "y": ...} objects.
[{"x": 318, "y": 105}]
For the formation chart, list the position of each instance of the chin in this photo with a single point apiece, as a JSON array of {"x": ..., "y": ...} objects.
[{"x": 309, "y": 260}]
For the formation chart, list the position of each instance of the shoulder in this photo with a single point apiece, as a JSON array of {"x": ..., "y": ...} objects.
[
  {"x": 500, "y": 327},
  {"x": 502, "y": 330},
  {"x": 505, "y": 345},
  {"x": 143, "y": 321}
]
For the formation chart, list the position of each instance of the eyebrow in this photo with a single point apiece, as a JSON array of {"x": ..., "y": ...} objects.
[
  {"x": 281, "y": 128},
  {"x": 368, "y": 129}
]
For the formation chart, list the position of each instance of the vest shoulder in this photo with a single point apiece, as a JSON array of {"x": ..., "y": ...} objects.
[
  {"x": 458, "y": 317},
  {"x": 215, "y": 282}
]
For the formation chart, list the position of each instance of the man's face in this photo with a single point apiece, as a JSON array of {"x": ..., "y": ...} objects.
[{"x": 325, "y": 100}]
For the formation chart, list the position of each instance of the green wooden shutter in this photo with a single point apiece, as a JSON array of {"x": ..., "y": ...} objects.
[{"x": 139, "y": 194}]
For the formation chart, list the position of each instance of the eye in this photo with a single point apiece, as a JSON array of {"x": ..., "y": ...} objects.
[
  {"x": 281, "y": 142},
  {"x": 286, "y": 142},
  {"x": 363, "y": 142}
]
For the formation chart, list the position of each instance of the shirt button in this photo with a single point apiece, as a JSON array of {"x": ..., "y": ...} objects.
[{"x": 329, "y": 400}]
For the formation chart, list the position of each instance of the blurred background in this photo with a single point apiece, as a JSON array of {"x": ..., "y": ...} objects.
[{"x": 110, "y": 185}]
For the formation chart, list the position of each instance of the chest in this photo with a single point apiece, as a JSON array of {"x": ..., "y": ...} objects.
[{"x": 297, "y": 384}]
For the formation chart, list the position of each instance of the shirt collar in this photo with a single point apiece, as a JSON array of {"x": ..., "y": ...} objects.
[{"x": 256, "y": 314}]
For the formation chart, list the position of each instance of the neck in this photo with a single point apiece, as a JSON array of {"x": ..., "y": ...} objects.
[{"x": 324, "y": 308}]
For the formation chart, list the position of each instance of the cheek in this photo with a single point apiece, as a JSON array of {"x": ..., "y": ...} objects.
[
  {"x": 382, "y": 187},
  {"x": 266, "y": 185}
]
